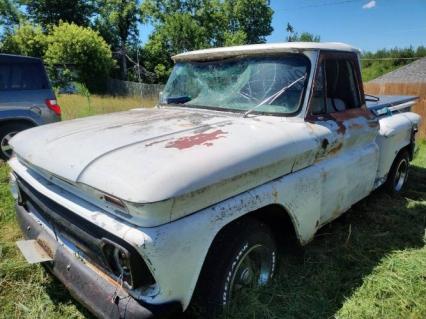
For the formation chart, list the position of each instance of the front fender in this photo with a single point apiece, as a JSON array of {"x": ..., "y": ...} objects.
[{"x": 176, "y": 251}]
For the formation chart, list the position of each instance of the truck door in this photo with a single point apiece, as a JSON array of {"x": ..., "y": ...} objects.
[{"x": 346, "y": 131}]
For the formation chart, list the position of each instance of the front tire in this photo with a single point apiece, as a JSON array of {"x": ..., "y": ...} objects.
[
  {"x": 7, "y": 131},
  {"x": 398, "y": 174},
  {"x": 243, "y": 256}
]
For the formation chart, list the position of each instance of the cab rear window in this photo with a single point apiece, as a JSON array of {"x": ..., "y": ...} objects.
[{"x": 23, "y": 76}]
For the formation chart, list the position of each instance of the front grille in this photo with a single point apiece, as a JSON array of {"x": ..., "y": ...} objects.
[{"x": 88, "y": 237}]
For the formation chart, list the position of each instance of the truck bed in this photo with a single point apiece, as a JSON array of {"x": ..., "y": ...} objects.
[{"x": 387, "y": 104}]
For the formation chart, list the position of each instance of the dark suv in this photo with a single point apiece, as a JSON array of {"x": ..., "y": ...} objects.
[{"x": 26, "y": 98}]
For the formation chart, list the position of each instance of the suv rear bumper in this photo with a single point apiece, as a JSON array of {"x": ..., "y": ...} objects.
[{"x": 95, "y": 290}]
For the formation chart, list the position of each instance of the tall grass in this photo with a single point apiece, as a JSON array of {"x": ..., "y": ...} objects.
[{"x": 74, "y": 105}]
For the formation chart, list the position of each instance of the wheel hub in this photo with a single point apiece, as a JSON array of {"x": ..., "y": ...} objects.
[
  {"x": 401, "y": 175},
  {"x": 254, "y": 269}
]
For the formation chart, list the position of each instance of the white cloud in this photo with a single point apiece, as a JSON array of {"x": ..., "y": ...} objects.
[{"x": 369, "y": 5}]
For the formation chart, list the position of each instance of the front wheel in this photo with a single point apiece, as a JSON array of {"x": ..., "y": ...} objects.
[
  {"x": 398, "y": 174},
  {"x": 243, "y": 257}
]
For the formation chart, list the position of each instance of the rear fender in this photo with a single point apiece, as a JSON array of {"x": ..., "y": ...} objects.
[{"x": 21, "y": 115}]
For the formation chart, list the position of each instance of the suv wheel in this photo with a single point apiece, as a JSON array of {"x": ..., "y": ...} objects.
[
  {"x": 244, "y": 256},
  {"x": 6, "y": 133}
]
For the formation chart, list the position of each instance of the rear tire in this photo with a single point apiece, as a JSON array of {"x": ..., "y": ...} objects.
[
  {"x": 242, "y": 257},
  {"x": 7, "y": 131},
  {"x": 398, "y": 174}
]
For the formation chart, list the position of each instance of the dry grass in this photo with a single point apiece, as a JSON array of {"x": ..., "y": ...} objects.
[
  {"x": 417, "y": 89},
  {"x": 74, "y": 105}
]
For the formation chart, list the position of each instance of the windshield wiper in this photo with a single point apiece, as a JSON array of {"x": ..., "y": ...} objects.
[
  {"x": 273, "y": 97},
  {"x": 178, "y": 99}
]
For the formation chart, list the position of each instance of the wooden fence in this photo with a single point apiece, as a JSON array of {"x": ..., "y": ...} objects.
[
  {"x": 418, "y": 89},
  {"x": 127, "y": 88}
]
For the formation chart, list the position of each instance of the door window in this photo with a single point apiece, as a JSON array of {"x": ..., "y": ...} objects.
[{"x": 335, "y": 87}]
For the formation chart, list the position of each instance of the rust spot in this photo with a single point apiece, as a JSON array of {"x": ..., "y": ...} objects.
[
  {"x": 335, "y": 149},
  {"x": 275, "y": 195},
  {"x": 45, "y": 247},
  {"x": 373, "y": 124},
  {"x": 198, "y": 139},
  {"x": 356, "y": 126},
  {"x": 102, "y": 274}
]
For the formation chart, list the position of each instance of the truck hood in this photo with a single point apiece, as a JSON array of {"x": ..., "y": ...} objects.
[{"x": 151, "y": 155}]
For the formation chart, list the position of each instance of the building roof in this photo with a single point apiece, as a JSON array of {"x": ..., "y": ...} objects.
[
  {"x": 255, "y": 49},
  {"x": 414, "y": 72}
]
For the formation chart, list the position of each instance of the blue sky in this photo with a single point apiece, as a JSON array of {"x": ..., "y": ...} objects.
[{"x": 366, "y": 24}]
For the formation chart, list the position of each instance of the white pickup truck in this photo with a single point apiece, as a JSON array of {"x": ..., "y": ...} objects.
[{"x": 139, "y": 213}]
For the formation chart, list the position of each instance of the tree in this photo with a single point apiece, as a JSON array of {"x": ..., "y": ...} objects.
[
  {"x": 184, "y": 25},
  {"x": 117, "y": 22},
  {"x": 51, "y": 12},
  {"x": 9, "y": 13},
  {"x": 253, "y": 17},
  {"x": 293, "y": 36},
  {"x": 26, "y": 40},
  {"x": 234, "y": 38},
  {"x": 81, "y": 51},
  {"x": 306, "y": 37},
  {"x": 179, "y": 26}
]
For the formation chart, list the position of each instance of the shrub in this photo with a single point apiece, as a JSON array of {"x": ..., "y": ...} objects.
[
  {"x": 81, "y": 51},
  {"x": 26, "y": 40}
]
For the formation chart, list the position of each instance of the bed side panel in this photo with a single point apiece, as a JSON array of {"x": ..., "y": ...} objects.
[{"x": 395, "y": 133}]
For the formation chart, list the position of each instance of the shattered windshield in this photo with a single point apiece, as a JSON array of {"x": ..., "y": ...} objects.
[{"x": 249, "y": 84}]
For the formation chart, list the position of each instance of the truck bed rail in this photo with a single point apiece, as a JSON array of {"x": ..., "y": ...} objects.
[{"x": 388, "y": 104}]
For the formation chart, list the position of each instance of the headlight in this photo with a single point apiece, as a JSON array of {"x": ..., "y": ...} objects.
[{"x": 118, "y": 258}]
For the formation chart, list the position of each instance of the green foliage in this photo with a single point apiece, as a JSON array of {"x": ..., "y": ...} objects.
[
  {"x": 84, "y": 91},
  {"x": 51, "y": 12},
  {"x": 253, "y": 17},
  {"x": 294, "y": 36},
  {"x": 234, "y": 38},
  {"x": 303, "y": 37},
  {"x": 9, "y": 13},
  {"x": 117, "y": 22},
  {"x": 375, "y": 64},
  {"x": 26, "y": 40},
  {"x": 189, "y": 25},
  {"x": 81, "y": 50}
]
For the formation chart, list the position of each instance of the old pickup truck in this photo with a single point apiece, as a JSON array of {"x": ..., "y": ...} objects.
[{"x": 140, "y": 213}]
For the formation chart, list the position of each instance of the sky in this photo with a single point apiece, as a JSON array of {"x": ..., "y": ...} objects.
[{"x": 366, "y": 24}]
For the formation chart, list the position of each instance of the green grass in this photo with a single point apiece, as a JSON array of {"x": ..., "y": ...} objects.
[{"x": 369, "y": 263}]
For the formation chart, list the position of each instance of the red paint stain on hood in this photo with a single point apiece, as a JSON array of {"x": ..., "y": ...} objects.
[{"x": 198, "y": 139}]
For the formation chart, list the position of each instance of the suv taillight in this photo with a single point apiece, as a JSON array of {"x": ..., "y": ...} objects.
[{"x": 53, "y": 105}]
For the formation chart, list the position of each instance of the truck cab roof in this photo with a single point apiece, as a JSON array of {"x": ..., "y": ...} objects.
[{"x": 256, "y": 49}]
